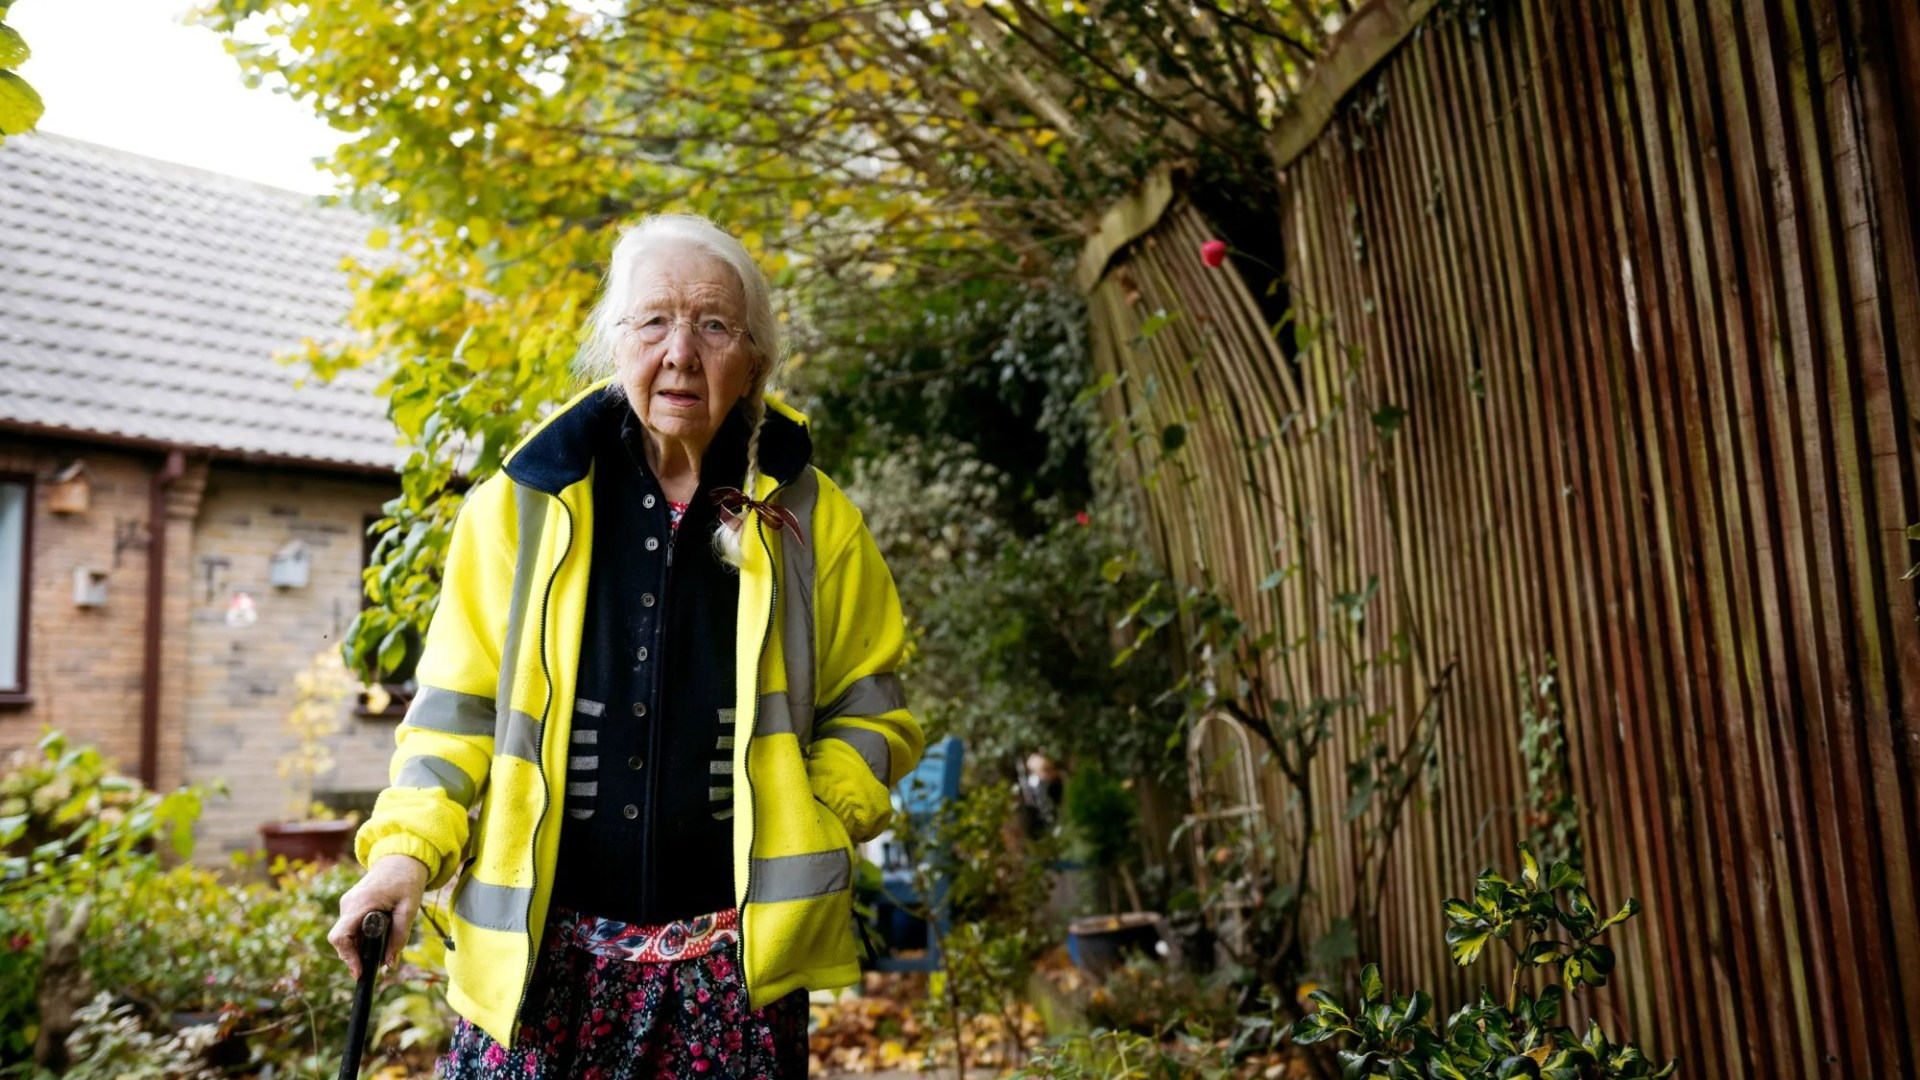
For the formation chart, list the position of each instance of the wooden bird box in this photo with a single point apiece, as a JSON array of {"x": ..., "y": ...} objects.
[{"x": 70, "y": 491}]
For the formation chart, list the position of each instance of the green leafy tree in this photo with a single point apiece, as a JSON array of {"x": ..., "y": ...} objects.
[
  {"x": 20, "y": 104},
  {"x": 1012, "y": 648},
  {"x": 873, "y": 156}
]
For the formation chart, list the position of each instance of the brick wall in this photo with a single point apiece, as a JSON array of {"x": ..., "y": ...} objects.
[
  {"x": 84, "y": 664},
  {"x": 240, "y": 679},
  {"x": 224, "y": 689}
]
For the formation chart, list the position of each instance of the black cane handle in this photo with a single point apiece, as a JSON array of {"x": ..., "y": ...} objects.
[{"x": 373, "y": 948}]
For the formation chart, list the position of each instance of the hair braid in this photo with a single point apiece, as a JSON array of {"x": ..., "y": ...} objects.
[
  {"x": 757, "y": 417},
  {"x": 728, "y": 539}
]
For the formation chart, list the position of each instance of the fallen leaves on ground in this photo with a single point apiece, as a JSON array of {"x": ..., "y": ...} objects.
[
  {"x": 894, "y": 1023},
  {"x": 878, "y": 1028}
]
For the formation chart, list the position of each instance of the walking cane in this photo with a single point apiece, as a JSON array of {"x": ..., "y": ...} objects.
[{"x": 373, "y": 948}]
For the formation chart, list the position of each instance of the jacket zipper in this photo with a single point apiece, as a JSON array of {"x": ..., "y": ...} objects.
[
  {"x": 546, "y": 790},
  {"x": 746, "y": 772}
]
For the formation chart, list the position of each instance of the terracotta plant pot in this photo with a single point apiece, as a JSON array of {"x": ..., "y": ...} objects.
[{"x": 322, "y": 842}]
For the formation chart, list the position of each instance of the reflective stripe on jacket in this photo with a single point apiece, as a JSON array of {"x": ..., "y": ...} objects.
[{"x": 822, "y": 729}]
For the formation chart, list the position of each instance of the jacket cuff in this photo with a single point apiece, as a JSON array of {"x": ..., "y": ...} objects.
[
  {"x": 862, "y": 805},
  {"x": 370, "y": 851}
]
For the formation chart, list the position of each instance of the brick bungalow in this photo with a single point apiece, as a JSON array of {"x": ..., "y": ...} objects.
[{"x": 156, "y": 460}]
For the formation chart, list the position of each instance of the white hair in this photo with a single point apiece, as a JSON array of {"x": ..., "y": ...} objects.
[{"x": 645, "y": 240}]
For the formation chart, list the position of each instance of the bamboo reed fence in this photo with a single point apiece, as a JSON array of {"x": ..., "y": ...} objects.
[{"x": 1635, "y": 287}]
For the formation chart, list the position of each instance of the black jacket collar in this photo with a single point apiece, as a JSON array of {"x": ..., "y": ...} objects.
[{"x": 560, "y": 452}]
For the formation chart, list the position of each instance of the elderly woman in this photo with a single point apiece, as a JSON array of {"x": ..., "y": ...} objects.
[{"x": 657, "y": 707}]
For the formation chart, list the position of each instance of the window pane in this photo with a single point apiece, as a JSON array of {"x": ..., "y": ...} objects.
[{"x": 13, "y": 535}]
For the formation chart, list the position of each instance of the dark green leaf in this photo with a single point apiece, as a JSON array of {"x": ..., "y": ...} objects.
[
  {"x": 1371, "y": 987},
  {"x": 1518, "y": 1065},
  {"x": 1465, "y": 943},
  {"x": 1497, "y": 1034},
  {"x": 1173, "y": 437},
  {"x": 1417, "y": 1008},
  {"x": 1543, "y": 952},
  {"x": 1308, "y": 1032},
  {"x": 1563, "y": 875},
  {"x": 1600, "y": 958},
  {"x": 1329, "y": 1004},
  {"x": 1355, "y": 1065},
  {"x": 1388, "y": 418},
  {"x": 1627, "y": 911},
  {"x": 1546, "y": 1009}
]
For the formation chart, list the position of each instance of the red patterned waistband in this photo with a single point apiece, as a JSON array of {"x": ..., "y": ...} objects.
[{"x": 682, "y": 940}]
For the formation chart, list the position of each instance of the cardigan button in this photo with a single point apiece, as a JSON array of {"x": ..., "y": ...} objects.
[
  {"x": 639, "y": 708},
  {"x": 646, "y": 599},
  {"x": 642, "y": 654},
  {"x": 635, "y": 763},
  {"x": 630, "y": 811},
  {"x": 653, "y": 543},
  {"x": 647, "y": 502}
]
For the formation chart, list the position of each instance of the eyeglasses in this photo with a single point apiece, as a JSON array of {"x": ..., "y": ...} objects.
[{"x": 710, "y": 331}]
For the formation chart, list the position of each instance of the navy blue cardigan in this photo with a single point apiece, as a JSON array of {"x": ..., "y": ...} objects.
[{"x": 647, "y": 838}]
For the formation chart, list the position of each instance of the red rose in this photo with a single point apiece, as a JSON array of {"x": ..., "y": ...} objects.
[
  {"x": 1213, "y": 252},
  {"x": 1081, "y": 517}
]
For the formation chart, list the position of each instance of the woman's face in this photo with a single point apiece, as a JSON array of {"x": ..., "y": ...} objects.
[{"x": 683, "y": 385}]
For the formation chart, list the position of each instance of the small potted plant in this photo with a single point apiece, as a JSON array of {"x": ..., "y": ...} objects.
[
  {"x": 311, "y": 832},
  {"x": 1100, "y": 812}
]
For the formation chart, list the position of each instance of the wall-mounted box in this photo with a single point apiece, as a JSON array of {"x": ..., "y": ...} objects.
[
  {"x": 89, "y": 587},
  {"x": 69, "y": 491},
  {"x": 292, "y": 566}
]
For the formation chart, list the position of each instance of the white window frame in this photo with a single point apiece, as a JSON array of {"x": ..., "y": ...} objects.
[{"x": 17, "y": 567}]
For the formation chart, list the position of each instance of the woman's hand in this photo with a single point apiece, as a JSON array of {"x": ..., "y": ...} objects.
[{"x": 393, "y": 884}]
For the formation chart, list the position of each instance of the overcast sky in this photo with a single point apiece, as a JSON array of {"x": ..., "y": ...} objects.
[{"x": 127, "y": 74}]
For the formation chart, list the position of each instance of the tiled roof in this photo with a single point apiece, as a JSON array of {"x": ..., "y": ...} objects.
[{"x": 143, "y": 300}]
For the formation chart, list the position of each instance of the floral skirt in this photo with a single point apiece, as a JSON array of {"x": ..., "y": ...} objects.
[{"x": 606, "y": 1003}]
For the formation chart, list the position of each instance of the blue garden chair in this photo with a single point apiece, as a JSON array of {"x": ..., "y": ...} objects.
[{"x": 922, "y": 793}]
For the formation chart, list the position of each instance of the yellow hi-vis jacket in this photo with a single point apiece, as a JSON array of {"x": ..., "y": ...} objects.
[{"x": 826, "y": 727}]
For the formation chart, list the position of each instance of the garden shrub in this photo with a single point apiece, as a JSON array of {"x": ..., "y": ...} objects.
[
  {"x": 1157, "y": 999},
  {"x": 112, "y": 1044},
  {"x": 70, "y": 828},
  {"x": 245, "y": 949},
  {"x": 995, "y": 895},
  {"x": 1104, "y": 1054},
  {"x": 1547, "y": 922}
]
